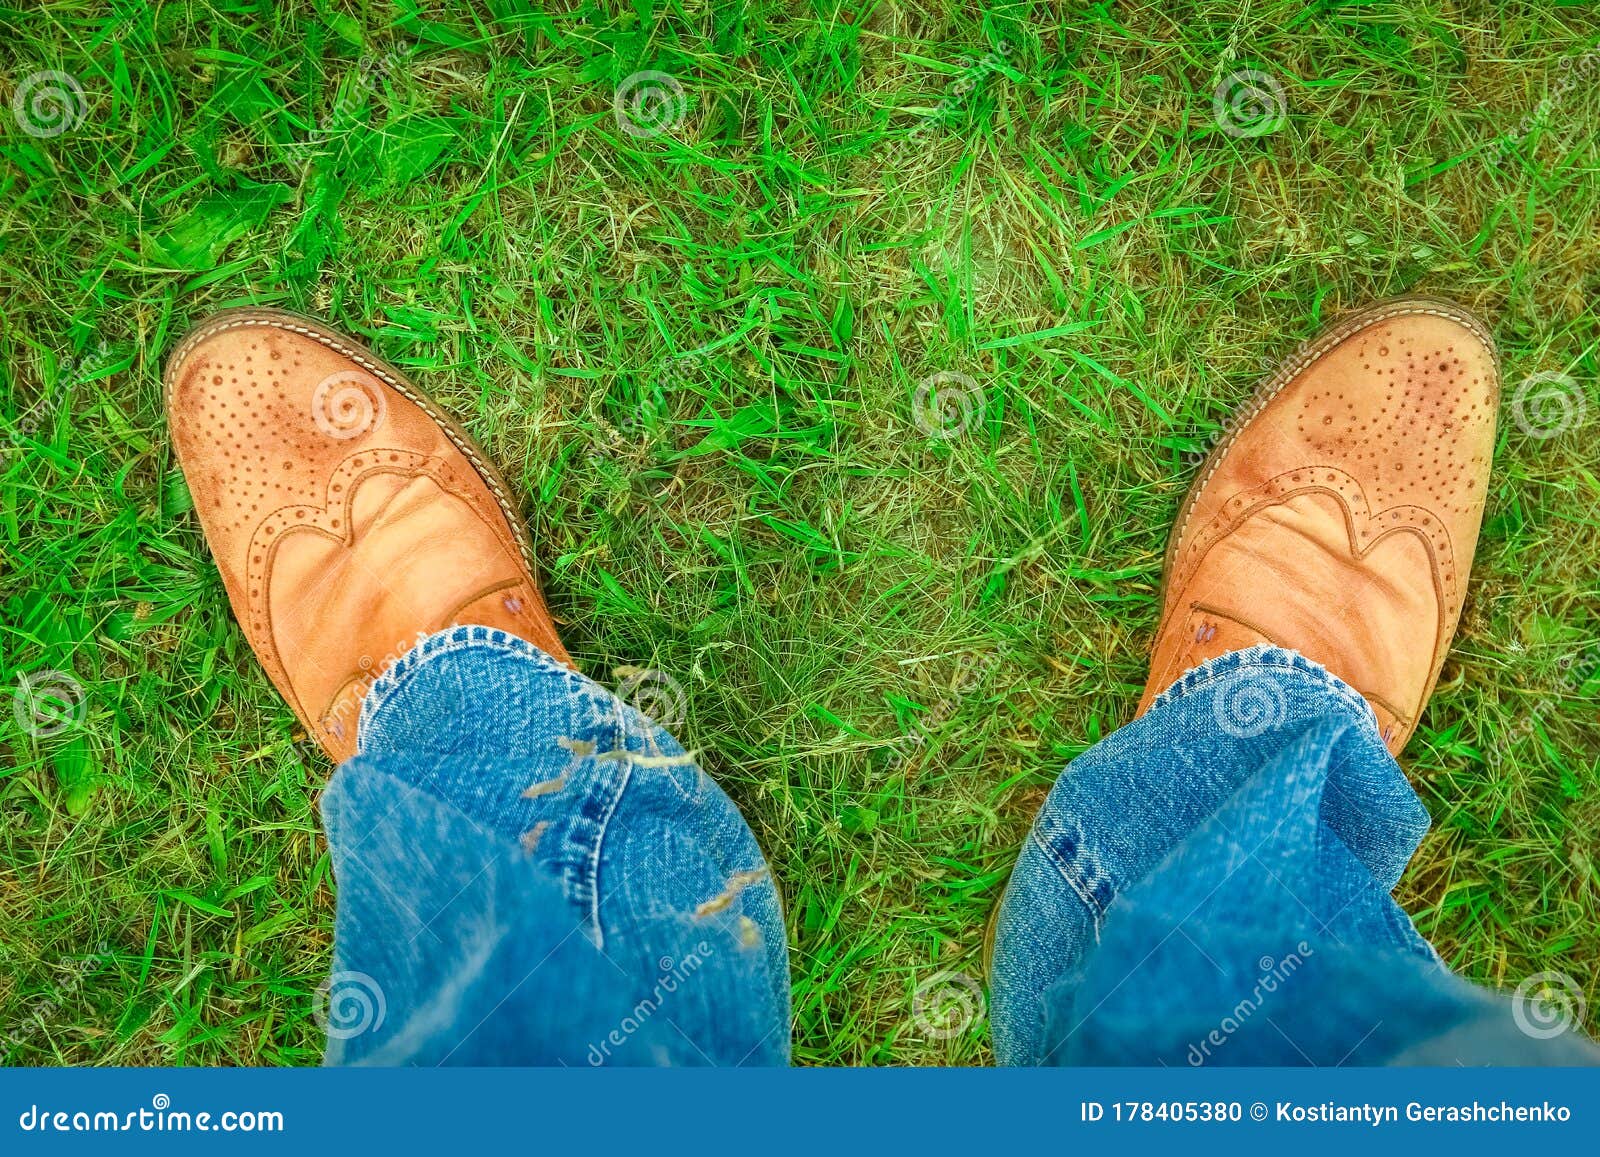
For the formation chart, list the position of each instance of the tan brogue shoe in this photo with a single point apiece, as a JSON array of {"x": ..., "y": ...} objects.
[
  {"x": 346, "y": 513},
  {"x": 1339, "y": 514}
]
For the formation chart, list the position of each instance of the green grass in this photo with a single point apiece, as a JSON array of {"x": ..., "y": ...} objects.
[{"x": 1073, "y": 233}]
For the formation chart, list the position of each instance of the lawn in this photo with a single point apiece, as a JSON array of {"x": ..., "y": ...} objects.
[{"x": 701, "y": 319}]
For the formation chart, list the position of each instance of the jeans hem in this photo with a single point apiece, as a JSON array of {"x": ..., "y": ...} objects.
[
  {"x": 431, "y": 647},
  {"x": 1265, "y": 656}
]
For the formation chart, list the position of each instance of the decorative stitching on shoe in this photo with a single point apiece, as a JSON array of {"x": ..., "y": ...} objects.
[
  {"x": 1308, "y": 355},
  {"x": 372, "y": 364},
  {"x": 288, "y": 520}
]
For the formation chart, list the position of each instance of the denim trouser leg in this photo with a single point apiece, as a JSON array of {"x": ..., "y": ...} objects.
[
  {"x": 531, "y": 872},
  {"x": 1211, "y": 884}
]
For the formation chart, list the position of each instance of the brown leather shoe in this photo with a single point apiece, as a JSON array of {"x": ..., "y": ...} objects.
[
  {"x": 1339, "y": 514},
  {"x": 347, "y": 514}
]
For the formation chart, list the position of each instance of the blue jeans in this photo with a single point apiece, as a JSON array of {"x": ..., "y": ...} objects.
[{"x": 532, "y": 872}]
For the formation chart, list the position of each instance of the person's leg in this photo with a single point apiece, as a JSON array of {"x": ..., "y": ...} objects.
[
  {"x": 531, "y": 872},
  {"x": 1211, "y": 883},
  {"x": 528, "y": 870}
]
